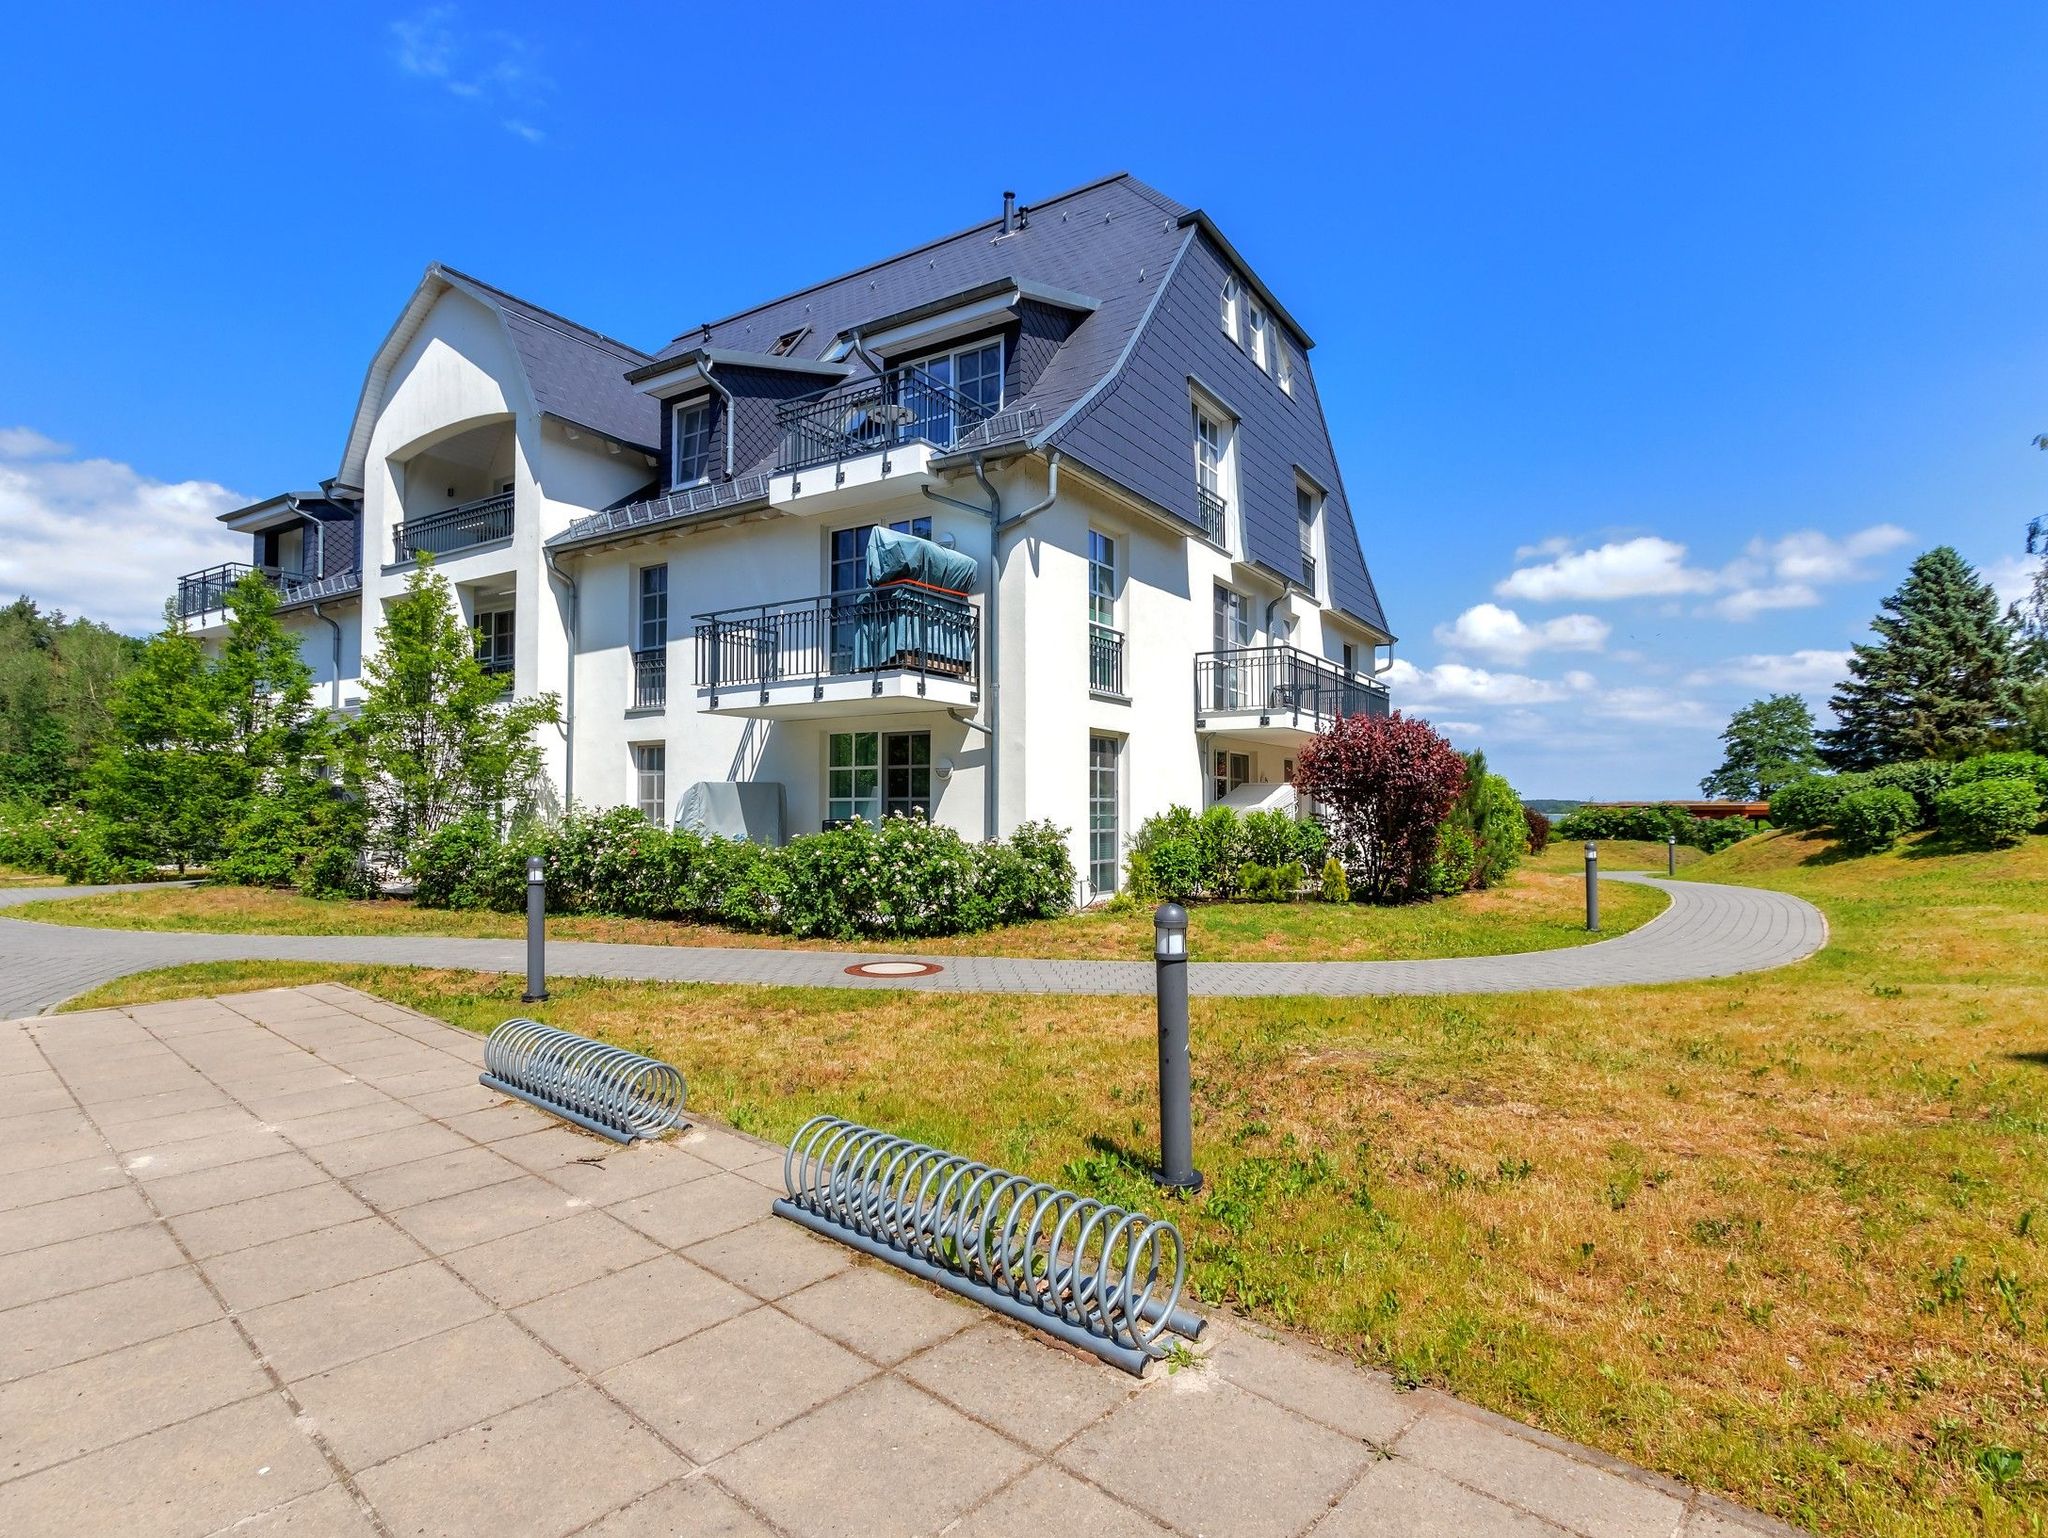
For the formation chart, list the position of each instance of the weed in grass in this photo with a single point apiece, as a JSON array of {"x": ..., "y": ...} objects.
[
  {"x": 1181, "y": 1357},
  {"x": 1945, "y": 1288}
]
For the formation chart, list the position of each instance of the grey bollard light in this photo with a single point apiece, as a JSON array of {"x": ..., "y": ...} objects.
[
  {"x": 536, "y": 937},
  {"x": 1177, "y": 1170},
  {"x": 1592, "y": 887},
  {"x": 1671, "y": 855}
]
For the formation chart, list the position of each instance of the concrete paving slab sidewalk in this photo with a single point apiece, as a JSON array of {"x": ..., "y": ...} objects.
[{"x": 264, "y": 1268}]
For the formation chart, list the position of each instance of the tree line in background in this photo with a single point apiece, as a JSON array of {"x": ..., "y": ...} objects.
[
  {"x": 123, "y": 759},
  {"x": 1942, "y": 722}
]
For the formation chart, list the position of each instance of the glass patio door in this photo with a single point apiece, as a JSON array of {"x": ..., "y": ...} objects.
[{"x": 1233, "y": 633}]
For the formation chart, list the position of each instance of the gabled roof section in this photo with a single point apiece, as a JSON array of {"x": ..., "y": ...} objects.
[{"x": 572, "y": 373}]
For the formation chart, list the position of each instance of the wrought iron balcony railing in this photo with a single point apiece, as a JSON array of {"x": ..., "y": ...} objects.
[
  {"x": 455, "y": 528},
  {"x": 1105, "y": 660},
  {"x": 904, "y": 405},
  {"x": 840, "y": 635},
  {"x": 202, "y": 591},
  {"x": 650, "y": 678},
  {"x": 1212, "y": 513},
  {"x": 1284, "y": 684}
]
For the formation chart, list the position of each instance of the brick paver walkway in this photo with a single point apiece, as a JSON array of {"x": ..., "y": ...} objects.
[
  {"x": 1708, "y": 931},
  {"x": 276, "y": 1263}
]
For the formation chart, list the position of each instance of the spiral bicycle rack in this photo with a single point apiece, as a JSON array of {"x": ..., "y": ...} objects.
[
  {"x": 606, "y": 1089},
  {"x": 1095, "y": 1275}
]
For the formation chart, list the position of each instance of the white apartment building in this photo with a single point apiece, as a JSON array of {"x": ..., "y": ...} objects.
[{"x": 1094, "y": 402}]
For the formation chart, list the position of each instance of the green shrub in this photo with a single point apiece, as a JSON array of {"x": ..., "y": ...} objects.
[
  {"x": 67, "y": 841},
  {"x": 1175, "y": 868},
  {"x": 1336, "y": 889},
  {"x": 1311, "y": 844},
  {"x": 1986, "y": 814},
  {"x": 1656, "y": 824},
  {"x": 1254, "y": 882},
  {"x": 1456, "y": 855},
  {"x": 1924, "y": 780},
  {"x": 1267, "y": 837},
  {"x": 1287, "y": 881},
  {"x": 2031, "y": 767},
  {"x": 1867, "y": 821},
  {"x": 1808, "y": 803},
  {"x": 1220, "y": 844},
  {"x": 304, "y": 834}
]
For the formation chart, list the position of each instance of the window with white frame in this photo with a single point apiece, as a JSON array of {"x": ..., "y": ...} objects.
[
  {"x": 1283, "y": 360},
  {"x": 972, "y": 378},
  {"x": 1229, "y": 301},
  {"x": 1308, "y": 508},
  {"x": 872, "y": 775},
  {"x": 1105, "y": 803},
  {"x": 653, "y": 608},
  {"x": 650, "y": 781},
  {"x": 492, "y": 630},
  {"x": 1258, "y": 338},
  {"x": 692, "y": 444},
  {"x": 1105, "y": 641},
  {"x": 1229, "y": 770},
  {"x": 1212, "y": 438}
]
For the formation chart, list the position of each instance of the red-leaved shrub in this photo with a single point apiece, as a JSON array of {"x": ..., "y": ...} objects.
[{"x": 1388, "y": 783}]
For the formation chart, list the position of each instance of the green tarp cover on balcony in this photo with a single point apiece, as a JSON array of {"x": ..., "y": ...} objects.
[
  {"x": 904, "y": 558},
  {"x": 915, "y": 613}
]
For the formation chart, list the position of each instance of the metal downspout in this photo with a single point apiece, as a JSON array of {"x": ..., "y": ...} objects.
[
  {"x": 336, "y": 628},
  {"x": 725, "y": 395},
  {"x": 569, "y": 688}
]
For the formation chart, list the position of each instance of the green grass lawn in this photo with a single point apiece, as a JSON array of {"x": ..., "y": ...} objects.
[
  {"x": 1535, "y": 910},
  {"x": 10, "y": 877},
  {"x": 1781, "y": 1235}
]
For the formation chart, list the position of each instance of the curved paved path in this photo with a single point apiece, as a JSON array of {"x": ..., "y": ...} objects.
[{"x": 1708, "y": 931}]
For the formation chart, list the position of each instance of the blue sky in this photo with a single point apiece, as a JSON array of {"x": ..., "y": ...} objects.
[{"x": 1655, "y": 340}]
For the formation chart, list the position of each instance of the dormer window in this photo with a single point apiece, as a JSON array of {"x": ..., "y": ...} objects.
[
  {"x": 1283, "y": 360},
  {"x": 1215, "y": 468},
  {"x": 692, "y": 445},
  {"x": 1229, "y": 316},
  {"x": 1258, "y": 338}
]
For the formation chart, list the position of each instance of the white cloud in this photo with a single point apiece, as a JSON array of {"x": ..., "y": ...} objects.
[
  {"x": 1746, "y": 603},
  {"x": 1452, "y": 683},
  {"x": 27, "y": 443},
  {"x": 2012, "y": 578},
  {"x": 1810, "y": 556},
  {"x": 1651, "y": 706},
  {"x": 98, "y": 538},
  {"x": 1810, "y": 671},
  {"x": 1502, "y": 635},
  {"x": 1557, "y": 544},
  {"x": 489, "y": 67},
  {"x": 1644, "y": 567}
]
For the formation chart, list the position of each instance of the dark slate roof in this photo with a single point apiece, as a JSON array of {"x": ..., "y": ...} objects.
[
  {"x": 1114, "y": 395},
  {"x": 576, "y": 374}
]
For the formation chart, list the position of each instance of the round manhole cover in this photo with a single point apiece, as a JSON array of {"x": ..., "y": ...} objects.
[{"x": 893, "y": 969}]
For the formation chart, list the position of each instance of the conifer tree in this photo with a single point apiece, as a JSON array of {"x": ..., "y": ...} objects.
[
  {"x": 1769, "y": 743},
  {"x": 1942, "y": 679}
]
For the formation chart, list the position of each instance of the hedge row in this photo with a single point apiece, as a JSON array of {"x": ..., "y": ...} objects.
[
  {"x": 67, "y": 841},
  {"x": 1222, "y": 854},
  {"x": 1656, "y": 824},
  {"x": 907, "y": 878},
  {"x": 1956, "y": 796}
]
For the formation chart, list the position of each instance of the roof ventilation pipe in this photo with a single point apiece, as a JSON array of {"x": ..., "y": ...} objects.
[{"x": 1009, "y": 213}]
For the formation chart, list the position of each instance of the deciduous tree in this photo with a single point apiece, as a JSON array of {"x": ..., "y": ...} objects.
[
  {"x": 1768, "y": 744},
  {"x": 1388, "y": 783}
]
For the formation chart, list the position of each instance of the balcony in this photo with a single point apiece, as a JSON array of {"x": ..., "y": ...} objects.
[
  {"x": 203, "y": 592},
  {"x": 650, "y": 678},
  {"x": 878, "y": 649},
  {"x": 1278, "y": 694},
  {"x": 1105, "y": 661},
  {"x": 1212, "y": 512},
  {"x": 456, "y": 528},
  {"x": 866, "y": 441}
]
